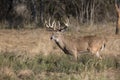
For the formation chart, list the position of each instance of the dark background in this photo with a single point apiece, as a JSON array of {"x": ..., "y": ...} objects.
[{"x": 18, "y": 13}]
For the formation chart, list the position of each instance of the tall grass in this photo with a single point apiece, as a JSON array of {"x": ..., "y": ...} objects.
[{"x": 52, "y": 67}]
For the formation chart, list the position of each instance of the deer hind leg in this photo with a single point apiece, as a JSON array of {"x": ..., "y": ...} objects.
[
  {"x": 96, "y": 48},
  {"x": 95, "y": 51},
  {"x": 98, "y": 55},
  {"x": 100, "y": 49}
]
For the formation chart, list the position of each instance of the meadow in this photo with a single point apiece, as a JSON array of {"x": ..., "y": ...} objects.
[
  {"x": 31, "y": 55},
  {"x": 52, "y": 67}
]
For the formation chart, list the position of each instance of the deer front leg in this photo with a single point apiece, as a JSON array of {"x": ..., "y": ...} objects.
[
  {"x": 98, "y": 55},
  {"x": 75, "y": 54}
]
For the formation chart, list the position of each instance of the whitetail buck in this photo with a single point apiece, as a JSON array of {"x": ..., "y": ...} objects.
[
  {"x": 74, "y": 46},
  {"x": 118, "y": 17}
]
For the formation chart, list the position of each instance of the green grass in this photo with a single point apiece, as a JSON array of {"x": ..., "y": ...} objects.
[{"x": 54, "y": 67}]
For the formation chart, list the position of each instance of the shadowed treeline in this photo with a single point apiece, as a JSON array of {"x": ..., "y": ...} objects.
[{"x": 17, "y": 13}]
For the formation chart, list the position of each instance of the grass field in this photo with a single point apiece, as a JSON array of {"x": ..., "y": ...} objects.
[
  {"x": 31, "y": 55},
  {"x": 52, "y": 67}
]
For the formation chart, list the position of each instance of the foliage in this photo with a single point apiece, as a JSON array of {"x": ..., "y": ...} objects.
[{"x": 37, "y": 11}]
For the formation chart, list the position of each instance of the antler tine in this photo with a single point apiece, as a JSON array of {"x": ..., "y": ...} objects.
[
  {"x": 55, "y": 25},
  {"x": 63, "y": 29},
  {"x": 51, "y": 24},
  {"x": 58, "y": 24},
  {"x": 67, "y": 22},
  {"x": 46, "y": 24}
]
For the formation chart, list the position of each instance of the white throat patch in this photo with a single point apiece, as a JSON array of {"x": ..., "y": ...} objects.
[{"x": 57, "y": 40}]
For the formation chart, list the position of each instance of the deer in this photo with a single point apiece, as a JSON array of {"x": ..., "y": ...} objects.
[
  {"x": 117, "y": 7},
  {"x": 73, "y": 46}
]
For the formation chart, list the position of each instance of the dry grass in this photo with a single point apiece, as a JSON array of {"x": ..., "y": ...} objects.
[
  {"x": 38, "y": 41},
  {"x": 26, "y": 41},
  {"x": 62, "y": 67},
  {"x": 30, "y": 43},
  {"x": 89, "y": 75},
  {"x": 22, "y": 74},
  {"x": 6, "y": 71}
]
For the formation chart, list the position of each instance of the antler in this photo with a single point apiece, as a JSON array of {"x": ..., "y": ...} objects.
[
  {"x": 49, "y": 24},
  {"x": 56, "y": 25},
  {"x": 52, "y": 25},
  {"x": 67, "y": 22},
  {"x": 64, "y": 24}
]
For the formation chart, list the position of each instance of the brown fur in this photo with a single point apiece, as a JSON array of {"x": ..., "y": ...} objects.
[
  {"x": 74, "y": 46},
  {"x": 118, "y": 19}
]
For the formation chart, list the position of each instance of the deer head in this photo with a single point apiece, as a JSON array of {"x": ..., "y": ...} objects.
[{"x": 55, "y": 25}]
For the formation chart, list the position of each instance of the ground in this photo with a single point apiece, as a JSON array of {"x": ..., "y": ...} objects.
[{"x": 23, "y": 56}]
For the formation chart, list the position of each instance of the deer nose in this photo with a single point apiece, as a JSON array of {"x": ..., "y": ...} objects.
[{"x": 51, "y": 37}]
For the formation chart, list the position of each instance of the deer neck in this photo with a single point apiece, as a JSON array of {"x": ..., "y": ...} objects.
[{"x": 60, "y": 43}]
